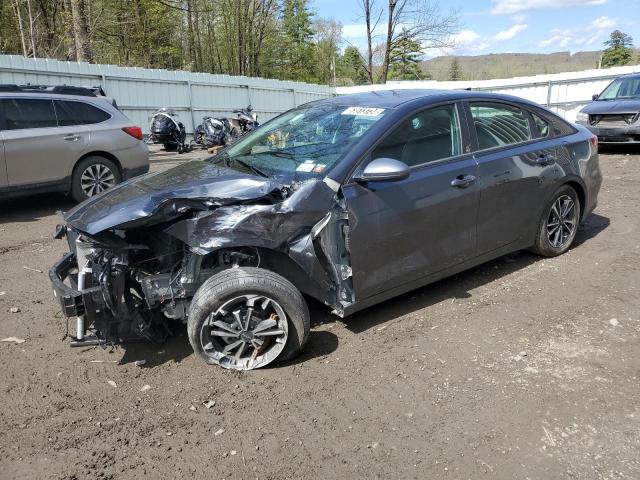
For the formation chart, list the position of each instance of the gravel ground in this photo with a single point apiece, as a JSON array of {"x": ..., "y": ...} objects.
[{"x": 522, "y": 368}]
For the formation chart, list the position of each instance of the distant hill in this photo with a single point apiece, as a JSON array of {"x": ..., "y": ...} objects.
[{"x": 505, "y": 65}]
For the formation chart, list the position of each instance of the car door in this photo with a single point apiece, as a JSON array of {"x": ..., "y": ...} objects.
[
  {"x": 37, "y": 150},
  {"x": 405, "y": 230},
  {"x": 514, "y": 168}
]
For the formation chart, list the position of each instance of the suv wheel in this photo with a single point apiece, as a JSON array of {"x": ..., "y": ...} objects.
[
  {"x": 245, "y": 318},
  {"x": 559, "y": 223},
  {"x": 93, "y": 175}
]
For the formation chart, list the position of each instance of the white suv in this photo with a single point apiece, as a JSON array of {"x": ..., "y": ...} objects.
[{"x": 65, "y": 139}]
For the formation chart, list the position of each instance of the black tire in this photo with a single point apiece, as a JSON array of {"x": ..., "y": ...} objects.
[
  {"x": 77, "y": 191},
  {"x": 170, "y": 147},
  {"x": 230, "y": 283},
  {"x": 543, "y": 245}
]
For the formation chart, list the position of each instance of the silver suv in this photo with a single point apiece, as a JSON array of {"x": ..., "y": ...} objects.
[{"x": 66, "y": 139}]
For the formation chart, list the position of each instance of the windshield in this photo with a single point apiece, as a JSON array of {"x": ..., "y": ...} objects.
[
  {"x": 304, "y": 143},
  {"x": 622, "y": 88}
]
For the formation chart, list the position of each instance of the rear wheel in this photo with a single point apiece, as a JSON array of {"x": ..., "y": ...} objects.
[
  {"x": 92, "y": 176},
  {"x": 559, "y": 223},
  {"x": 245, "y": 318}
]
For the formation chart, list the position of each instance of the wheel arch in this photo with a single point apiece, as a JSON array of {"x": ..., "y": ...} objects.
[
  {"x": 281, "y": 263},
  {"x": 95, "y": 153},
  {"x": 582, "y": 195}
]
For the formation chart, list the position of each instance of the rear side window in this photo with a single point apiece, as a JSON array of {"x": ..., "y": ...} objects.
[
  {"x": 21, "y": 113},
  {"x": 427, "y": 136},
  {"x": 542, "y": 125},
  {"x": 497, "y": 125},
  {"x": 78, "y": 113}
]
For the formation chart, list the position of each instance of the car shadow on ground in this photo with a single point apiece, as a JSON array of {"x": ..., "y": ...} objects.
[
  {"x": 619, "y": 149},
  {"x": 455, "y": 287},
  {"x": 177, "y": 348},
  {"x": 34, "y": 207}
]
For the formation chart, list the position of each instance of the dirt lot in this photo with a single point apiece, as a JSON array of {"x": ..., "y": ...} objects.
[{"x": 523, "y": 368}]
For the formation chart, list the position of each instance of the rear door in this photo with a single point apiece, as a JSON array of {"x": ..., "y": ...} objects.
[
  {"x": 406, "y": 230},
  {"x": 515, "y": 166},
  {"x": 37, "y": 150}
]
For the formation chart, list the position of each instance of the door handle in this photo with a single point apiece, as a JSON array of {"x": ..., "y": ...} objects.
[
  {"x": 71, "y": 138},
  {"x": 545, "y": 159},
  {"x": 463, "y": 181}
]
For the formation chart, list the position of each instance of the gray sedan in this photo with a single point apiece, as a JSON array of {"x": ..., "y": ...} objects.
[{"x": 350, "y": 200}]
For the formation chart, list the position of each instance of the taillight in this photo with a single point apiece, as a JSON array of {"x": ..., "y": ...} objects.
[
  {"x": 135, "y": 132},
  {"x": 594, "y": 142}
]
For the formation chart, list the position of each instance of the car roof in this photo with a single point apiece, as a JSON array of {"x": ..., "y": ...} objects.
[
  {"x": 98, "y": 101},
  {"x": 396, "y": 97},
  {"x": 630, "y": 75}
]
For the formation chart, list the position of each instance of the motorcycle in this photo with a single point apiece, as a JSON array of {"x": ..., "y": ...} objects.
[
  {"x": 247, "y": 120},
  {"x": 168, "y": 131},
  {"x": 213, "y": 132}
]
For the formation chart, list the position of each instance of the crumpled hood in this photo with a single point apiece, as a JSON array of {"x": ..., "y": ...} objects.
[
  {"x": 612, "y": 106},
  {"x": 143, "y": 197}
]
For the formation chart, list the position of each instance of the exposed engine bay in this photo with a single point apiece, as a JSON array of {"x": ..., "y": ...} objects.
[{"x": 136, "y": 277}]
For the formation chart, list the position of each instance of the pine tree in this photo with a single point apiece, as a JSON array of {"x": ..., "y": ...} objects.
[
  {"x": 618, "y": 51},
  {"x": 351, "y": 66},
  {"x": 455, "y": 73},
  {"x": 297, "y": 34},
  {"x": 405, "y": 58}
]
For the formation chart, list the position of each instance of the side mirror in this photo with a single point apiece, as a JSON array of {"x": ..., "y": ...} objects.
[
  {"x": 384, "y": 170},
  {"x": 594, "y": 96}
]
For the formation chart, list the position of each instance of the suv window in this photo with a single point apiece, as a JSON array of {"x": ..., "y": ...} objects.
[
  {"x": 21, "y": 113},
  {"x": 78, "y": 113},
  {"x": 541, "y": 124},
  {"x": 424, "y": 137},
  {"x": 497, "y": 125}
]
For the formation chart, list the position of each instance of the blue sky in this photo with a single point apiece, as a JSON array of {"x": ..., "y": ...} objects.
[{"x": 498, "y": 26}]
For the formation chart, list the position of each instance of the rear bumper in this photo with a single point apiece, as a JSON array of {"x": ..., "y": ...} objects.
[{"x": 630, "y": 134}]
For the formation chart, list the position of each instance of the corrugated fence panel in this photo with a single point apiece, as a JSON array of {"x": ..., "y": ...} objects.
[
  {"x": 564, "y": 93},
  {"x": 139, "y": 92}
]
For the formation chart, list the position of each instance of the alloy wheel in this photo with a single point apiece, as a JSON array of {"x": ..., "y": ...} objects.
[
  {"x": 562, "y": 221},
  {"x": 246, "y": 332},
  {"x": 96, "y": 178}
]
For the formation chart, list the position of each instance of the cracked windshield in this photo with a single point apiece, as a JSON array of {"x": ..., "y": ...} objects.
[{"x": 303, "y": 143}]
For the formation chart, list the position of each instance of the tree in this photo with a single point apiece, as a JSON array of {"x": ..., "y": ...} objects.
[
  {"x": 372, "y": 15},
  {"x": 327, "y": 35},
  {"x": 352, "y": 68},
  {"x": 80, "y": 31},
  {"x": 405, "y": 58},
  {"x": 618, "y": 51},
  {"x": 455, "y": 73},
  {"x": 422, "y": 21},
  {"x": 297, "y": 34},
  {"x": 272, "y": 38}
]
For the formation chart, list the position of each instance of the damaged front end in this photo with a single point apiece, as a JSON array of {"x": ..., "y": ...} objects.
[{"x": 132, "y": 271}]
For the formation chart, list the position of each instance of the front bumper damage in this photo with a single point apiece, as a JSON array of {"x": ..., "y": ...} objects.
[{"x": 135, "y": 280}]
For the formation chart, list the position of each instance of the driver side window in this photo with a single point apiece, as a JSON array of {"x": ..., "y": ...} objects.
[{"x": 425, "y": 137}]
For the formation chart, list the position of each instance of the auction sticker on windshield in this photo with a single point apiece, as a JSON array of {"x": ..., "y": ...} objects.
[{"x": 363, "y": 111}]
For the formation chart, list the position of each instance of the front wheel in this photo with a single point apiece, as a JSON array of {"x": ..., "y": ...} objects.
[
  {"x": 559, "y": 223},
  {"x": 245, "y": 318}
]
